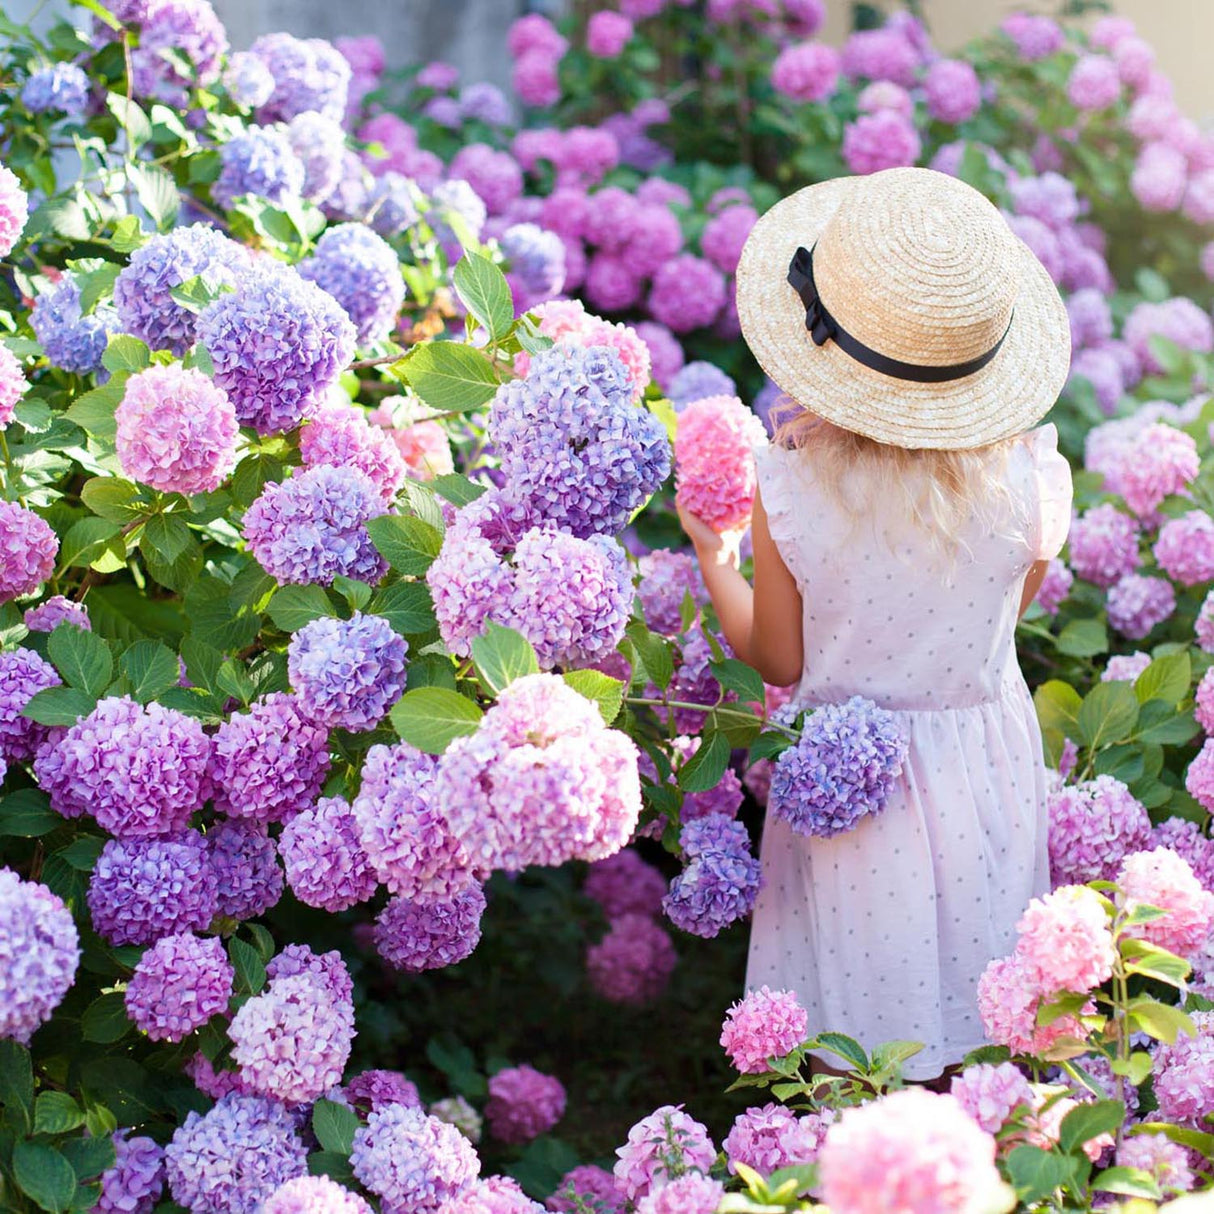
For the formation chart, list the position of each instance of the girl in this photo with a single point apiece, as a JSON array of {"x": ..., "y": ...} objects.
[{"x": 905, "y": 517}]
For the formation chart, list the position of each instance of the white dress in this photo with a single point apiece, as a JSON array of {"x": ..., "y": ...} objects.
[{"x": 884, "y": 931}]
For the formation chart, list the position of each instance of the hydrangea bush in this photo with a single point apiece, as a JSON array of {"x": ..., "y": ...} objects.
[{"x": 346, "y": 644}]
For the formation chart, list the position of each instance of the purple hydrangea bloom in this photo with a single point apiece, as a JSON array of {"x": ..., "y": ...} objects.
[
  {"x": 245, "y": 863},
  {"x": 415, "y": 936},
  {"x": 572, "y": 443},
  {"x": 143, "y": 290},
  {"x": 720, "y": 881},
  {"x": 248, "y": 80},
  {"x": 46, "y": 617},
  {"x": 392, "y": 205},
  {"x": 135, "y": 1182},
  {"x": 270, "y": 762},
  {"x": 314, "y": 1195},
  {"x": 523, "y": 1103},
  {"x": 455, "y": 199},
  {"x": 362, "y": 272},
  {"x": 320, "y": 144},
  {"x": 140, "y": 770},
  {"x": 326, "y": 865},
  {"x": 687, "y": 293},
  {"x": 179, "y": 984},
  {"x": 1184, "y": 549},
  {"x": 537, "y": 263},
  {"x": 28, "y": 548},
  {"x": 412, "y": 1162},
  {"x": 667, "y": 578},
  {"x": 292, "y": 1042},
  {"x": 231, "y": 1159},
  {"x": 1092, "y": 827},
  {"x": 769, "y": 1138},
  {"x": 312, "y": 527},
  {"x": 259, "y": 161},
  {"x": 347, "y": 673},
  {"x": 351, "y": 197},
  {"x": 456, "y": 1111},
  {"x": 660, "y": 1148},
  {"x": 484, "y": 102},
  {"x": 326, "y": 968},
  {"x": 60, "y": 87},
  {"x": 1104, "y": 545},
  {"x": 190, "y": 28},
  {"x": 404, "y": 834},
  {"x": 39, "y": 952},
  {"x": 23, "y": 673},
  {"x": 1184, "y": 1074},
  {"x": 278, "y": 343},
  {"x": 1136, "y": 604},
  {"x": 71, "y": 340},
  {"x": 144, "y": 889},
  {"x": 309, "y": 74},
  {"x": 1125, "y": 667},
  {"x": 843, "y": 767},
  {"x": 697, "y": 381},
  {"x": 339, "y": 433},
  {"x": 370, "y": 1091}
]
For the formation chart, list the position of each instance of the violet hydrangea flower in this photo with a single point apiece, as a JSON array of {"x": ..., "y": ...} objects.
[
  {"x": 39, "y": 952},
  {"x": 258, "y": 161},
  {"x": 23, "y": 673},
  {"x": 58, "y": 88},
  {"x": 309, "y": 74},
  {"x": 372, "y": 1090},
  {"x": 347, "y": 673},
  {"x": 248, "y": 80},
  {"x": 843, "y": 768},
  {"x": 1092, "y": 826},
  {"x": 179, "y": 984},
  {"x": 28, "y": 548},
  {"x": 47, "y": 616},
  {"x": 415, "y": 936},
  {"x": 625, "y": 884},
  {"x": 233, "y": 1157},
  {"x": 523, "y": 1103},
  {"x": 326, "y": 865},
  {"x": 769, "y": 1138},
  {"x": 245, "y": 862},
  {"x": 697, "y": 380},
  {"x": 320, "y": 144},
  {"x": 339, "y": 433},
  {"x": 311, "y": 527},
  {"x": 362, "y": 272},
  {"x": 720, "y": 881},
  {"x": 1104, "y": 545},
  {"x": 687, "y": 293},
  {"x": 135, "y": 1181},
  {"x": 192, "y": 29},
  {"x": 313, "y": 1195},
  {"x": 1136, "y": 604},
  {"x": 633, "y": 961},
  {"x": 71, "y": 340}
]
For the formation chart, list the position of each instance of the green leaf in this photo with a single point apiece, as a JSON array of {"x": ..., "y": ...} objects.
[
  {"x": 44, "y": 1175},
  {"x": 407, "y": 606},
  {"x": 90, "y": 1157},
  {"x": 1089, "y": 1120},
  {"x": 846, "y": 1047},
  {"x": 331, "y": 1164},
  {"x": 654, "y": 652},
  {"x": 233, "y": 678},
  {"x": 1161, "y": 725},
  {"x": 357, "y": 594},
  {"x": 334, "y": 1126},
  {"x": 128, "y": 233},
  {"x": 1136, "y": 1068},
  {"x": 448, "y": 376},
  {"x": 212, "y": 621},
  {"x": 734, "y": 675},
  {"x": 739, "y": 725},
  {"x": 1108, "y": 714},
  {"x": 125, "y": 353},
  {"x": 82, "y": 852},
  {"x": 262, "y": 941},
  {"x": 27, "y": 813},
  {"x": 483, "y": 288},
  {"x": 150, "y": 668},
  {"x": 86, "y": 540},
  {"x": 1128, "y": 1182},
  {"x": 94, "y": 411},
  {"x": 105, "y": 1019},
  {"x": 1160, "y": 1020},
  {"x": 705, "y": 768},
  {"x": 1151, "y": 961},
  {"x": 82, "y": 658},
  {"x": 1036, "y": 1173},
  {"x": 430, "y": 718},
  {"x": 249, "y": 967},
  {"x": 56, "y": 1113},
  {"x": 502, "y": 655},
  {"x": 96, "y": 284},
  {"x": 111, "y": 498},
  {"x": 607, "y": 693},
  {"x": 294, "y": 606},
  {"x": 194, "y": 294},
  {"x": 1166, "y": 678},
  {"x": 130, "y": 117},
  {"x": 17, "y": 1084},
  {"x": 406, "y": 543},
  {"x": 457, "y": 488},
  {"x": 102, "y": 14},
  {"x": 165, "y": 537},
  {"x": 1083, "y": 639},
  {"x": 59, "y": 706}
]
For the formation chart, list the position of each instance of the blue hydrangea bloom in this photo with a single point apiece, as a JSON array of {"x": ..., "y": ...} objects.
[
  {"x": 573, "y": 445},
  {"x": 61, "y": 87},
  {"x": 261, "y": 161},
  {"x": 248, "y": 80},
  {"x": 843, "y": 767},
  {"x": 309, "y": 74},
  {"x": 320, "y": 143},
  {"x": 455, "y": 198},
  {"x": 537, "y": 262},
  {"x": 697, "y": 381},
  {"x": 484, "y": 102},
  {"x": 71, "y": 340},
  {"x": 720, "y": 882},
  {"x": 392, "y": 204},
  {"x": 362, "y": 272}
]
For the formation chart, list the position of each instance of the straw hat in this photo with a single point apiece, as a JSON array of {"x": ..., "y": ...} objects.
[{"x": 908, "y": 280}]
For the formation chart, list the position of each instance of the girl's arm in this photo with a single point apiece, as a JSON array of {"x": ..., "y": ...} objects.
[
  {"x": 1032, "y": 583},
  {"x": 763, "y": 625}
]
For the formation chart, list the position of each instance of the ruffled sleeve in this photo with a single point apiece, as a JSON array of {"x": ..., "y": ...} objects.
[
  {"x": 778, "y": 489},
  {"x": 1054, "y": 492}
]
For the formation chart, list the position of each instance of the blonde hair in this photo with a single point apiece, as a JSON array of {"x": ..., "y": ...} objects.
[{"x": 948, "y": 495}]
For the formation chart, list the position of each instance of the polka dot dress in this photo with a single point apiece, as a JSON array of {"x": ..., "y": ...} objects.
[{"x": 883, "y": 932}]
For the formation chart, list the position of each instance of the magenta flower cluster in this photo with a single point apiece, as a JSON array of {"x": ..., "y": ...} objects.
[
  {"x": 413, "y": 936},
  {"x": 661, "y": 1147},
  {"x": 523, "y": 1104},
  {"x": 325, "y": 862},
  {"x": 179, "y": 984},
  {"x": 23, "y": 673},
  {"x": 715, "y": 469},
  {"x": 28, "y": 548},
  {"x": 634, "y": 960},
  {"x": 765, "y": 1024},
  {"x": 1093, "y": 825}
]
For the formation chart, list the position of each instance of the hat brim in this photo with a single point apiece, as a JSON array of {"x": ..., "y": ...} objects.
[{"x": 1006, "y": 397}]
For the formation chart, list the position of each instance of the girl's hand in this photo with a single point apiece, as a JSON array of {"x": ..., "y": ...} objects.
[{"x": 712, "y": 547}]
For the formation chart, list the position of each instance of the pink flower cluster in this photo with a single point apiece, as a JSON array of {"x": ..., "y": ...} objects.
[
  {"x": 715, "y": 470},
  {"x": 765, "y": 1024},
  {"x": 523, "y": 1103},
  {"x": 633, "y": 962}
]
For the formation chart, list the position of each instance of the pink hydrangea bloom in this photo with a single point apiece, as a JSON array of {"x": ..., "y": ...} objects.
[
  {"x": 1163, "y": 879},
  {"x": 1064, "y": 941},
  {"x": 523, "y": 1103},
  {"x": 1159, "y": 178},
  {"x": 1007, "y": 1004},
  {"x": 1180, "y": 320},
  {"x": 1104, "y": 545},
  {"x": 714, "y": 460},
  {"x": 1199, "y": 779},
  {"x": 765, "y": 1024},
  {"x": 423, "y": 445},
  {"x": 1203, "y": 625},
  {"x": 1055, "y": 586},
  {"x": 14, "y": 210},
  {"x": 884, "y": 140},
  {"x": 1108, "y": 31},
  {"x": 535, "y": 32},
  {"x": 592, "y": 1186},
  {"x": 1198, "y": 202},
  {"x": 1164, "y": 462},
  {"x": 1187, "y": 840},
  {"x": 1137, "y": 604},
  {"x": 1094, "y": 83},
  {"x": 1184, "y": 1075},
  {"x": 179, "y": 984},
  {"x": 909, "y": 1151},
  {"x": 880, "y": 54},
  {"x": 12, "y": 384},
  {"x": 952, "y": 90},
  {"x": 610, "y": 285},
  {"x": 687, "y": 293},
  {"x": 770, "y": 1137},
  {"x": 1125, "y": 667},
  {"x": 536, "y": 79},
  {"x": 1156, "y": 1154},
  {"x": 665, "y": 352},
  {"x": 726, "y": 233},
  {"x": 1092, "y": 826},
  {"x": 660, "y": 1148},
  {"x": 338, "y": 432},
  {"x": 1184, "y": 549},
  {"x": 625, "y": 884},
  {"x": 991, "y": 1094},
  {"x": 806, "y": 71},
  {"x": 633, "y": 962},
  {"x": 28, "y": 548},
  {"x": 689, "y": 1194},
  {"x": 885, "y": 95},
  {"x": 607, "y": 34},
  {"x": 313, "y": 1195},
  {"x": 1035, "y": 37}
]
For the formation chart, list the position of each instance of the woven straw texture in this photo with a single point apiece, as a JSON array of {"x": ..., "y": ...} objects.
[{"x": 922, "y": 268}]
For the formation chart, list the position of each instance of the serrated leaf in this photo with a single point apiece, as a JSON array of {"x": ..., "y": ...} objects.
[
  {"x": 458, "y": 489},
  {"x": 705, "y": 769},
  {"x": 407, "y": 544},
  {"x": 17, "y": 1085},
  {"x": 483, "y": 288},
  {"x": 1167, "y": 678},
  {"x": 334, "y": 1126},
  {"x": 502, "y": 655},
  {"x": 194, "y": 294},
  {"x": 165, "y": 537},
  {"x": 56, "y": 1113},
  {"x": 125, "y": 353},
  {"x": 357, "y": 594},
  {"x": 1108, "y": 714},
  {"x": 654, "y": 652},
  {"x": 105, "y": 1019},
  {"x": 423, "y": 503},
  {"x": 44, "y": 1175},
  {"x": 130, "y": 117},
  {"x": 59, "y": 706},
  {"x": 111, "y": 498},
  {"x": 845, "y": 1047},
  {"x": 605, "y": 692},
  {"x": 1127, "y": 1182},
  {"x": 82, "y": 658},
  {"x": 448, "y": 376},
  {"x": 1036, "y": 1173},
  {"x": 27, "y": 814},
  {"x": 151, "y": 668},
  {"x": 407, "y": 606},
  {"x": 94, "y": 411},
  {"x": 1083, "y": 639},
  {"x": 431, "y": 718},
  {"x": 736, "y": 676},
  {"x": 1089, "y": 1120},
  {"x": 82, "y": 852},
  {"x": 249, "y": 967},
  {"x": 86, "y": 540},
  {"x": 294, "y": 606},
  {"x": 128, "y": 235}
]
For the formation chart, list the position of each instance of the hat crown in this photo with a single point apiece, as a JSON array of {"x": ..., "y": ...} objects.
[{"x": 919, "y": 267}]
